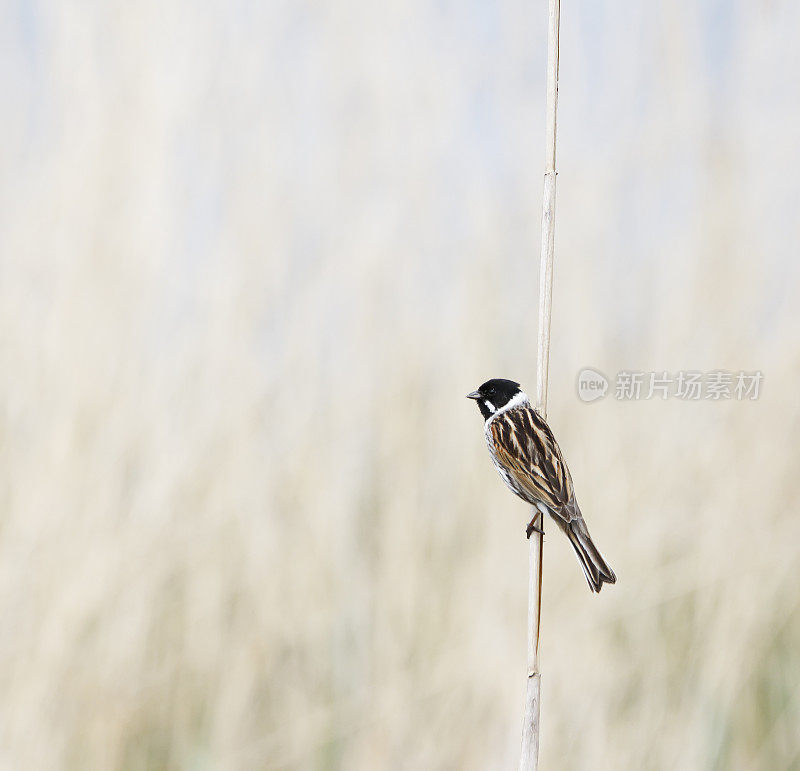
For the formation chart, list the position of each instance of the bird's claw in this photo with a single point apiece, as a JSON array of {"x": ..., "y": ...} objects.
[{"x": 533, "y": 528}]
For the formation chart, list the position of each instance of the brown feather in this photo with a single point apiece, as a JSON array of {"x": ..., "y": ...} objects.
[
  {"x": 526, "y": 447},
  {"x": 529, "y": 459}
]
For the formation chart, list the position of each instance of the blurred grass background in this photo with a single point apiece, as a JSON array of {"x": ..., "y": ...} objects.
[{"x": 252, "y": 256}]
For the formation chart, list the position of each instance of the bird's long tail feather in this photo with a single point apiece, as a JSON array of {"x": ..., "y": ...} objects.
[{"x": 595, "y": 568}]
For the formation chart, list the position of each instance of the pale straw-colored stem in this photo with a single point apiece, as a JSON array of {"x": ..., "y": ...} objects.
[{"x": 529, "y": 757}]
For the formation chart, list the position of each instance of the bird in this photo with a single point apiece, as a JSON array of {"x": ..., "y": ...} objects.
[{"x": 528, "y": 458}]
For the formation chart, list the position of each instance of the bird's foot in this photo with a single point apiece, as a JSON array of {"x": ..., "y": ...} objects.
[{"x": 533, "y": 528}]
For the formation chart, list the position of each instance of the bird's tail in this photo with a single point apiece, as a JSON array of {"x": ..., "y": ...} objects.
[{"x": 595, "y": 568}]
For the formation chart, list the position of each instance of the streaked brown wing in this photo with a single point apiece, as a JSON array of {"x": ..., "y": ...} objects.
[{"x": 525, "y": 445}]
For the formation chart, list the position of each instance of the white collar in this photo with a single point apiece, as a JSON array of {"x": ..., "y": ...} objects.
[{"x": 519, "y": 400}]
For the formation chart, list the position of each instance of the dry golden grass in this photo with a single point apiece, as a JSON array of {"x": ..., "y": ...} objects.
[{"x": 252, "y": 260}]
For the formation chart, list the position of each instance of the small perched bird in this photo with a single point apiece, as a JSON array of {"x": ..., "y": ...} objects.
[{"x": 528, "y": 458}]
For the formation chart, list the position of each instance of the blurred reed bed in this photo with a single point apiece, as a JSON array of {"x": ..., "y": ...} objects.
[{"x": 252, "y": 260}]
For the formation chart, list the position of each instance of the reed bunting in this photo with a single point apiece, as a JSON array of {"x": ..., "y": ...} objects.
[{"x": 528, "y": 458}]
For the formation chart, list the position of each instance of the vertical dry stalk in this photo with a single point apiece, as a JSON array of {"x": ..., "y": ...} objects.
[{"x": 529, "y": 758}]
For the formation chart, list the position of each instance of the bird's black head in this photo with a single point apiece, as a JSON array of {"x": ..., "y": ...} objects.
[{"x": 494, "y": 395}]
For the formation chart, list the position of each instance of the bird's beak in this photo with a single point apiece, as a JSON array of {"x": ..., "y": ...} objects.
[{"x": 474, "y": 395}]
